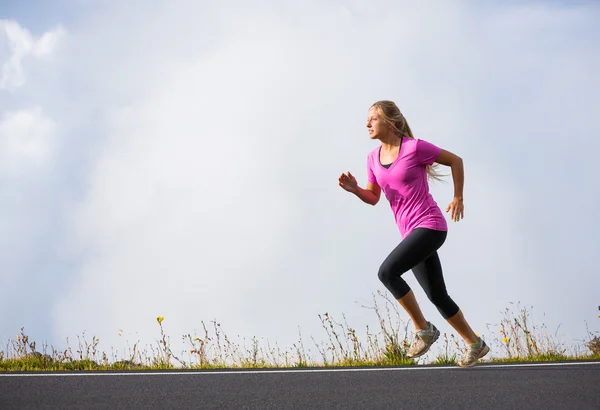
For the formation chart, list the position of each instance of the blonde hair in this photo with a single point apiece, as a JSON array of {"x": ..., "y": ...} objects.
[{"x": 391, "y": 115}]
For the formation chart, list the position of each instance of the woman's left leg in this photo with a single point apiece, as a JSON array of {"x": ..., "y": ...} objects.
[{"x": 430, "y": 276}]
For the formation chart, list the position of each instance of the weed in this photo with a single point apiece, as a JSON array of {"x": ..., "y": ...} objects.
[{"x": 517, "y": 339}]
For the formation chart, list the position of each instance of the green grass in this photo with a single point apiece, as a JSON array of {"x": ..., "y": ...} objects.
[{"x": 514, "y": 339}]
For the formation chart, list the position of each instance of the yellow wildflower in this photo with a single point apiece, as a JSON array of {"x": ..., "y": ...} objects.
[
  {"x": 160, "y": 319},
  {"x": 505, "y": 340}
]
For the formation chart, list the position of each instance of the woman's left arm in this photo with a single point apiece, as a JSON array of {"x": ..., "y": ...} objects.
[{"x": 458, "y": 176}]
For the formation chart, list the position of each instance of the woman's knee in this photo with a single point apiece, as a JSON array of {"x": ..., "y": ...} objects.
[
  {"x": 393, "y": 267},
  {"x": 385, "y": 272},
  {"x": 392, "y": 280}
]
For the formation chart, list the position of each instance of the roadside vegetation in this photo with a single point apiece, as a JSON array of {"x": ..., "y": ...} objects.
[{"x": 514, "y": 339}]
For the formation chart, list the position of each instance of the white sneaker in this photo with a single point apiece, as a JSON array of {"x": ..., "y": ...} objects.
[
  {"x": 474, "y": 353},
  {"x": 423, "y": 341}
]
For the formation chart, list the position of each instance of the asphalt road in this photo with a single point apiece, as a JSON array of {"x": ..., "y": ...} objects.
[{"x": 512, "y": 386}]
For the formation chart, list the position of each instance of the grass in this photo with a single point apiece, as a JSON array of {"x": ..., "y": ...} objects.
[{"x": 514, "y": 339}]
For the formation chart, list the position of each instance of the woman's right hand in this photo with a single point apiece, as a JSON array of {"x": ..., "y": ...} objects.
[{"x": 348, "y": 182}]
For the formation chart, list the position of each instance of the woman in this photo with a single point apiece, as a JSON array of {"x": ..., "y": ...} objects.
[{"x": 400, "y": 167}]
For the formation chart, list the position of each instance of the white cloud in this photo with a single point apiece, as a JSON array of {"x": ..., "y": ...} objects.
[
  {"x": 22, "y": 44},
  {"x": 27, "y": 138}
]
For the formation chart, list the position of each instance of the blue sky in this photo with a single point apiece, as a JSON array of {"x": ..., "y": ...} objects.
[
  {"x": 182, "y": 161},
  {"x": 39, "y": 15}
]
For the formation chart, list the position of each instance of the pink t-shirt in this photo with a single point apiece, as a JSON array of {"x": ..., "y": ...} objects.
[{"x": 405, "y": 185}]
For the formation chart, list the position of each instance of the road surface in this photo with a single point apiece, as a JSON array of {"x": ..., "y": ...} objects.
[{"x": 485, "y": 386}]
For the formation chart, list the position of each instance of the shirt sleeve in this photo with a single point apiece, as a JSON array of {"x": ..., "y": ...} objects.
[
  {"x": 370, "y": 174},
  {"x": 427, "y": 153}
]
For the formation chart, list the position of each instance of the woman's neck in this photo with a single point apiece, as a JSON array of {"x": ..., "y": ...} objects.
[{"x": 390, "y": 142}]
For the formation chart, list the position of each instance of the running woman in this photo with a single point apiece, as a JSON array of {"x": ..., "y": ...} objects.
[{"x": 400, "y": 167}]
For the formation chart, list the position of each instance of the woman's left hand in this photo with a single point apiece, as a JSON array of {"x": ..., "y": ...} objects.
[{"x": 457, "y": 209}]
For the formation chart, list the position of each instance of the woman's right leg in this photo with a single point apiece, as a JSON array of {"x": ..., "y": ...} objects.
[{"x": 414, "y": 249}]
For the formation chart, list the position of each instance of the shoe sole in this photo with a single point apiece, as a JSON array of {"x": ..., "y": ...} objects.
[
  {"x": 435, "y": 338},
  {"x": 485, "y": 351}
]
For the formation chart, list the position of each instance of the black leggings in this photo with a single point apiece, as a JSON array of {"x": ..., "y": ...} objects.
[{"x": 418, "y": 251}]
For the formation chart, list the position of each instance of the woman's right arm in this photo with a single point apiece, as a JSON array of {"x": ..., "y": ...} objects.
[{"x": 370, "y": 195}]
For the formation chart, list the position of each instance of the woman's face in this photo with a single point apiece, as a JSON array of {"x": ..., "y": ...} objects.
[{"x": 375, "y": 124}]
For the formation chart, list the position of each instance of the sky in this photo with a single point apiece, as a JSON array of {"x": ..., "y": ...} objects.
[{"x": 182, "y": 161}]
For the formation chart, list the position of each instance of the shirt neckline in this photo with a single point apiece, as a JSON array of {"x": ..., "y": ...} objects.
[{"x": 393, "y": 162}]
